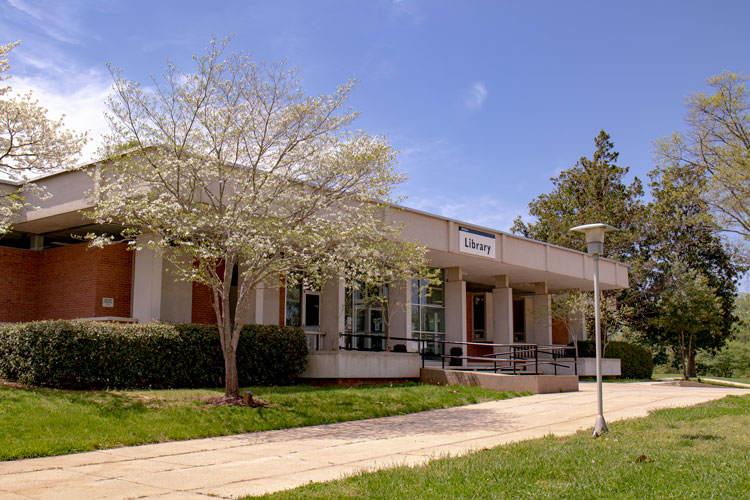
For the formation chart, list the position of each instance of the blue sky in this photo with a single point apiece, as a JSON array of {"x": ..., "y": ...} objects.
[{"x": 486, "y": 99}]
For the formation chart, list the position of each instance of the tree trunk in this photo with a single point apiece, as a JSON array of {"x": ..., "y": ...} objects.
[
  {"x": 691, "y": 358},
  {"x": 682, "y": 355},
  {"x": 231, "y": 379}
]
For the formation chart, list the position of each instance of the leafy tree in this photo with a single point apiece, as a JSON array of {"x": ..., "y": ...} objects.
[
  {"x": 30, "y": 144},
  {"x": 235, "y": 167},
  {"x": 680, "y": 231},
  {"x": 716, "y": 148},
  {"x": 675, "y": 226},
  {"x": 688, "y": 310},
  {"x": 593, "y": 190},
  {"x": 734, "y": 358}
]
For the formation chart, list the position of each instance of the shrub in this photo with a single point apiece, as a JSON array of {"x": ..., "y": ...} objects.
[
  {"x": 82, "y": 355},
  {"x": 635, "y": 360}
]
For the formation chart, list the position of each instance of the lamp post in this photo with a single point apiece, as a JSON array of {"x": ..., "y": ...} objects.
[{"x": 595, "y": 246}]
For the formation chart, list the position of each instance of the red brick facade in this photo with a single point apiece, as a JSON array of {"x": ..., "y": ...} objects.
[
  {"x": 65, "y": 283},
  {"x": 18, "y": 271},
  {"x": 202, "y": 305}
]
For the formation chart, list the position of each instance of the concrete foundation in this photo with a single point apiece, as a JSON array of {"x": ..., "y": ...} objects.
[
  {"x": 586, "y": 367},
  {"x": 536, "y": 384},
  {"x": 361, "y": 365}
]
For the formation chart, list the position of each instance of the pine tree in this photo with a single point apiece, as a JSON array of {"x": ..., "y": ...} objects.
[{"x": 594, "y": 190}]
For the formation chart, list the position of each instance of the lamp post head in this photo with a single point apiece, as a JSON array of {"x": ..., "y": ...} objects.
[{"x": 594, "y": 236}]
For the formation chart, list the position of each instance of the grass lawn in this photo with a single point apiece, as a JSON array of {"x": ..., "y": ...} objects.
[
  {"x": 743, "y": 380},
  {"x": 44, "y": 422},
  {"x": 684, "y": 453}
]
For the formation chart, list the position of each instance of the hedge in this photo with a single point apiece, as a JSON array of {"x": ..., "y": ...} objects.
[
  {"x": 635, "y": 360},
  {"x": 86, "y": 355}
]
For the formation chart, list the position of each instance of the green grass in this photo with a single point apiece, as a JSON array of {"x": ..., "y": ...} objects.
[
  {"x": 44, "y": 422},
  {"x": 742, "y": 380},
  {"x": 684, "y": 453}
]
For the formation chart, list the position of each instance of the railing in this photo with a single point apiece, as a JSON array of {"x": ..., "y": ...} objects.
[
  {"x": 518, "y": 359},
  {"x": 313, "y": 340}
]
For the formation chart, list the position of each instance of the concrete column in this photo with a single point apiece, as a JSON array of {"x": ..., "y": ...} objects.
[
  {"x": 37, "y": 242},
  {"x": 502, "y": 311},
  {"x": 489, "y": 317},
  {"x": 267, "y": 305},
  {"x": 176, "y": 296},
  {"x": 332, "y": 317},
  {"x": 455, "y": 308},
  {"x": 147, "y": 279},
  {"x": 541, "y": 328},
  {"x": 255, "y": 306}
]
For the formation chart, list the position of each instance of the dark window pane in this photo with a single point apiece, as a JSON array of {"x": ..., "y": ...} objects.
[
  {"x": 478, "y": 312},
  {"x": 312, "y": 310}
]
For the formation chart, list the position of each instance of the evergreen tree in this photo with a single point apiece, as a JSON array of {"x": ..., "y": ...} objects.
[
  {"x": 675, "y": 227},
  {"x": 593, "y": 190}
]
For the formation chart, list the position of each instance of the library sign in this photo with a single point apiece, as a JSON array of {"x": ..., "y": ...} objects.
[{"x": 476, "y": 242}]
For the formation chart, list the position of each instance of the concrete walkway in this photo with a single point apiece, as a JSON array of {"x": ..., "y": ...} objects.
[{"x": 252, "y": 464}]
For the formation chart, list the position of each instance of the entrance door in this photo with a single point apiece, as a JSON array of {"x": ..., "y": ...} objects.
[{"x": 476, "y": 326}]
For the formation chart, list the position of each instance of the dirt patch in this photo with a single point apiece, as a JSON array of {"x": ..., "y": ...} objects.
[
  {"x": 689, "y": 383},
  {"x": 14, "y": 385},
  {"x": 214, "y": 401}
]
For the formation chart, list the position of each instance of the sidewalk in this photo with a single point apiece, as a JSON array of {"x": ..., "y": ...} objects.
[{"x": 252, "y": 464}]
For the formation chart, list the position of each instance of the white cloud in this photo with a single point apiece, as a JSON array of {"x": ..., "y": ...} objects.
[
  {"x": 59, "y": 20},
  {"x": 475, "y": 96},
  {"x": 482, "y": 210},
  {"x": 406, "y": 8},
  {"x": 79, "y": 95}
]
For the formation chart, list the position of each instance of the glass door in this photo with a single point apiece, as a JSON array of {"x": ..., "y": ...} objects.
[{"x": 478, "y": 317}]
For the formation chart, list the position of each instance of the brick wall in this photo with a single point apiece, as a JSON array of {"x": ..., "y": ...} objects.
[
  {"x": 67, "y": 282},
  {"x": 114, "y": 279},
  {"x": 18, "y": 270},
  {"x": 203, "y": 309}
]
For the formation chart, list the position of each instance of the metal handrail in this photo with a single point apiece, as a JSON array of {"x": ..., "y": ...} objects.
[{"x": 516, "y": 357}]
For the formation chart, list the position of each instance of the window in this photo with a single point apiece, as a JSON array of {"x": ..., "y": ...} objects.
[
  {"x": 428, "y": 313},
  {"x": 302, "y": 307},
  {"x": 365, "y": 317}
]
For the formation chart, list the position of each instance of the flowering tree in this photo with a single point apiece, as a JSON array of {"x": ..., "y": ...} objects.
[
  {"x": 232, "y": 165},
  {"x": 575, "y": 308},
  {"x": 30, "y": 144}
]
